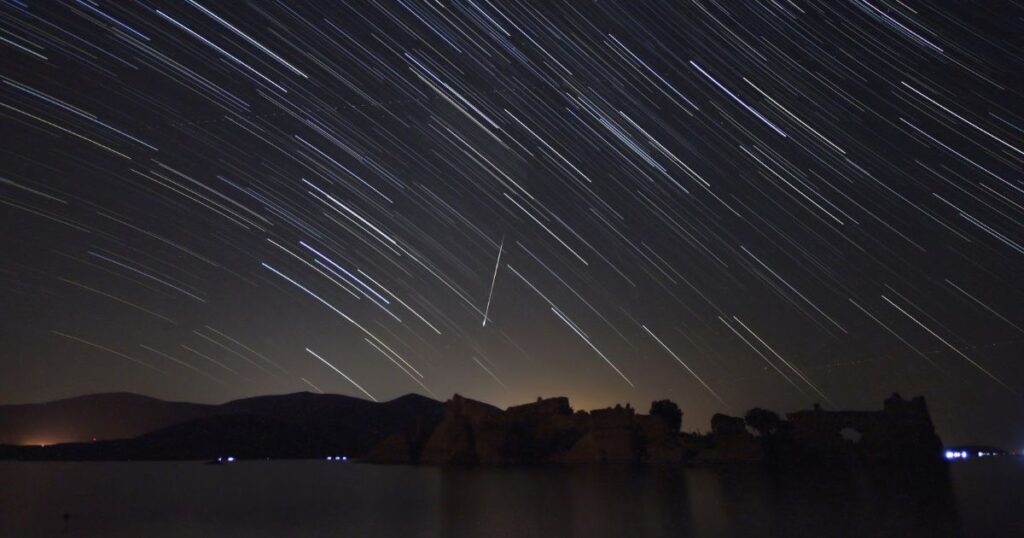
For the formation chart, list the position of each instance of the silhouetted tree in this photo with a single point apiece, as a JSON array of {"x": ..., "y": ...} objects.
[
  {"x": 669, "y": 412},
  {"x": 765, "y": 422}
]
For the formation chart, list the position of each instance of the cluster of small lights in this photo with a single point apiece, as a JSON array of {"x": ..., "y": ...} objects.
[
  {"x": 963, "y": 454},
  {"x": 337, "y": 458}
]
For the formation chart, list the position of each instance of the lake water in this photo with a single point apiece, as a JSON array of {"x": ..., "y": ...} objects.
[{"x": 319, "y": 498}]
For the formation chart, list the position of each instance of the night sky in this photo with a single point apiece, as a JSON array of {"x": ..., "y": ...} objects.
[{"x": 727, "y": 204}]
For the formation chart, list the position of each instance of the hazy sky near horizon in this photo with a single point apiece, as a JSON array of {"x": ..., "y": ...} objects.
[{"x": 727, "y": 204}]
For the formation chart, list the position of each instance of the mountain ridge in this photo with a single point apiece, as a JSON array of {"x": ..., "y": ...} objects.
[{"x": 124, "y": 415}]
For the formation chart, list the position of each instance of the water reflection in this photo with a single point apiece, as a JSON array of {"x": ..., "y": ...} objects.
[
  {"x": 737, "y": 501},
  {"x": 564, "y": 502},
  {"x": 747, "y": 502},
  {"x": 304, "y": 498}
]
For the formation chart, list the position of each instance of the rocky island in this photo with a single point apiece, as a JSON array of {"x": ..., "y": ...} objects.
[{"x": 549, "y": 431}]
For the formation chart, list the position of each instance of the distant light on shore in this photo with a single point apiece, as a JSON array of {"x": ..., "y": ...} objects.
[{"x": 972, "y": 454}]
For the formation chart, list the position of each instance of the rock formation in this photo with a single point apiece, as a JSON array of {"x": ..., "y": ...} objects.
[
  {"x": 902, "y": 432},
  {"x": 610, "y": 436},
  {"x": 549, "y": 431},
  {"x": 455, "y": 439},
  {"x": 729, "y": 442},
  {"x": 661, "y": 443},
  {"x": 545, "y": 431}
]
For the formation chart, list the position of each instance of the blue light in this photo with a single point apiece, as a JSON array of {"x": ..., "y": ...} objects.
[{"x": 231, "y": 458}]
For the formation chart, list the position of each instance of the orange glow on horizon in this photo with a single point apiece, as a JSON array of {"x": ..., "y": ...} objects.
[{"x": 37, "y": 442}]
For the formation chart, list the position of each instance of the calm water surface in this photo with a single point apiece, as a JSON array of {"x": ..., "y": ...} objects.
[{"x": 318, "y": 498}]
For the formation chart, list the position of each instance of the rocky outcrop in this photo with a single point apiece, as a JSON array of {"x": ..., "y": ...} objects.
[
  {"x": 548, "y": 431},
  {"x": 463, "y": 434},
  {"x": 902, "y": 432},
  {"x": 473, "y": 432},
  {"x": 729, "y": 442},
  {"x": 661, "y": 443},
  {"x": 611, "y": 437},
  {"x": 544, "y": 431},
  {"x": 726, "y": 426}
]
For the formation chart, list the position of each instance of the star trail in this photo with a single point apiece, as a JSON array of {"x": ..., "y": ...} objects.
[{"x": 762, "y": 203}]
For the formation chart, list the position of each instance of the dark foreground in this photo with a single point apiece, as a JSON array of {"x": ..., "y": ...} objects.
[{"x": 320, "y": 498}]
